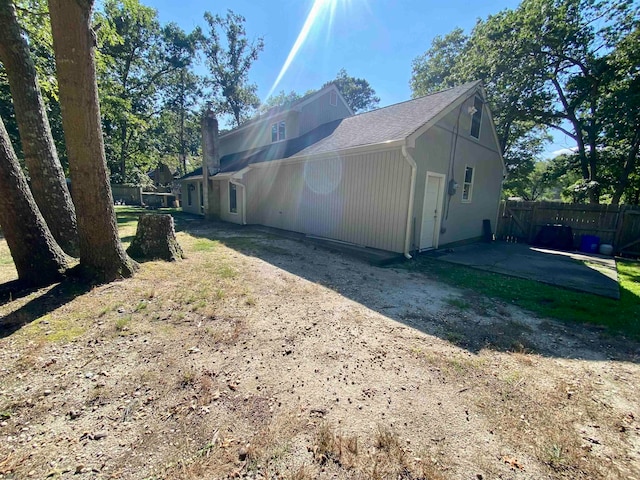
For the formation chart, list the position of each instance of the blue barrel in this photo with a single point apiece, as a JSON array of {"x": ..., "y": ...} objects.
[{"x": 589, "y": 243}]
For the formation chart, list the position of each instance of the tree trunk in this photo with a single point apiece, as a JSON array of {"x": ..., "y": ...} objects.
[
  {"x": 183, "y": 150},
  {"x": 155, "y": 238},
  {"x": 48, "y": 183},
  {"x": 101, "y": 254},
  {"x": 38, "y": 258},
  {"x": 123, "y": 152}
]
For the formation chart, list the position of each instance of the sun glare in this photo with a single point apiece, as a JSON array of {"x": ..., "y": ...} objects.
[{"x": 319, "y": 6}]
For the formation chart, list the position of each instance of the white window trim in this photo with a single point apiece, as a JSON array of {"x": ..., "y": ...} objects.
[
  {"x": 333, "y": 96},
  {"x": 473, "y": 177},
  {"x": 236, "y": 190}
]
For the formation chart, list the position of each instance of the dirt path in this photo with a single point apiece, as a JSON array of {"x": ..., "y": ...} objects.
[{"x": 263, "y": 357}]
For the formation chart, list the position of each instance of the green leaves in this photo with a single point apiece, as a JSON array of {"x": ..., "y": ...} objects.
[
  {"x": 229, "y": 62},
  {"x": 356, "y": 91},
  {"x": 567, "y": 65},
  {"x": 144, "y": 68}
]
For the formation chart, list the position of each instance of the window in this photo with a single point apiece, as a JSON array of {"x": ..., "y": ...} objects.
[
  {"x": 467, "y": 187},
  {"x": 189, "y": 190},
  {"x": 333, "y": 99},
  {"x": 233, "y": 198},
  {"x": 476, "y": 118},
  {"x": 278, "y": 131}
]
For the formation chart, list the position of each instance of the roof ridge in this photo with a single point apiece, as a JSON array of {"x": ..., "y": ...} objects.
[{"x": 461, "y": 87}]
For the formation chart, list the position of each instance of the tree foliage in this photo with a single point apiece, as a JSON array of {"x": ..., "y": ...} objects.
[
  {"x": 139, "y": 62},
  {"x": 549, "y": 64},
  {"x": 229, "y": 62},
  {"x": 356, "y": 91},
  {"x": 279, "y": 100}
]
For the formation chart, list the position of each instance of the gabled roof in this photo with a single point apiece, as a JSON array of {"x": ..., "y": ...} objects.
[
  {"x": 384, "y": 125},
  {"x": 292, "y": 106},
  {"x": 395, "y": 122}
]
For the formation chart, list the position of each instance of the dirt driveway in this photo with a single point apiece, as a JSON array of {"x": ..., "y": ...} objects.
[{"x": 262, "y": 357}]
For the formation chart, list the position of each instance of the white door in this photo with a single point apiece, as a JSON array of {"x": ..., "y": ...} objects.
[{"x": 431, "y": 211}]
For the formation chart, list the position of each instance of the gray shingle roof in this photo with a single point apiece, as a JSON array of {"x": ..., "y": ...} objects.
[{"x": 394, "y": 122}]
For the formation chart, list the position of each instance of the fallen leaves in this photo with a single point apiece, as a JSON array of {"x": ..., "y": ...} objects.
[{"x": 513, "y": 463}]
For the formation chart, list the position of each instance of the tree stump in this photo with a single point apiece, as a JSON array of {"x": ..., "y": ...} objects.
[{"x": 155, "y": 239}]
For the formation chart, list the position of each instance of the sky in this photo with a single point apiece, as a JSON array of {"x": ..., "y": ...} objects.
[{"x": 372, "y": 39}]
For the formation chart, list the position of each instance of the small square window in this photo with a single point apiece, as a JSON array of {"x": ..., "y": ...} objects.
[
  {"x": 333, "y": 99},
  {"x": 476, "y": 118},
  {"x": 467, "y": 186},
  {"x": 233, "y": 198}
]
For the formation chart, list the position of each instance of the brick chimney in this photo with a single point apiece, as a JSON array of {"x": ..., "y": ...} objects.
[
  {"x": 210, "y": 165},
  {"x": 210, "y": 143}
]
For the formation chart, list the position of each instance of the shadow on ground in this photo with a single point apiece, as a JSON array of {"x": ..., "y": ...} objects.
[
  {"x": 474, "y": 322},
  {"x": 49, "y": 300}
]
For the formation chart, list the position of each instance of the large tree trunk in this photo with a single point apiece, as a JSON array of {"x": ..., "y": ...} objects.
[
  {"x": 48, "y": 183},
  {"x": 38, "y": 258},
  {"x": 101, "y": 254}
]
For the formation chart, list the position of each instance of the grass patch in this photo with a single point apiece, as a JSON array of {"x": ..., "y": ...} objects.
[
  {"x": 57, "y": 330},
  {"x": 550, "y": 301},
  {"x": 459, "y": 303},
  {"x": 204, "y": 245},
  {"x": 122, "y": 324}
]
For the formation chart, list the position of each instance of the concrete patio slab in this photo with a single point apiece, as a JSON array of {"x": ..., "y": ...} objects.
[{"x": 584, "y": 272}]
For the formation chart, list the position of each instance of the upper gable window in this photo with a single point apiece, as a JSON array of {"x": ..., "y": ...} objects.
[
  {"x": 476, "y": 118},
  {"x": 333, "y": 99},
  {"x": 278, "y": 131}
]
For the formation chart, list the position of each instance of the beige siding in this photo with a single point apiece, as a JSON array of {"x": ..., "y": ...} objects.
[
  {"x": 195, "y": 196},
  {"x": 321, "y": 111},
  {"x": 433, "y": 153},
  {"x": 360, "y": 199},
  {"x": 225, "y": 214},
  {"x": 258, "y": 135}
]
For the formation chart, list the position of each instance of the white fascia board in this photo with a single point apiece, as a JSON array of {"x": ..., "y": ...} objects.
[{"x": 222, "y": 176}]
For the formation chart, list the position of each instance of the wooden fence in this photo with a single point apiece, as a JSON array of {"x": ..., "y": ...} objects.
[
  {"x": 126, "y": 193},
  {"x": 618, "y": 225}
]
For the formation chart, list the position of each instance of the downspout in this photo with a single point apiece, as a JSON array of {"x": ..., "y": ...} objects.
[{"x": 414, "y": 168}]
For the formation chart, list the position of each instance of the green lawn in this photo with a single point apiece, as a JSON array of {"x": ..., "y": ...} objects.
[{"x": 622, "y": 316}]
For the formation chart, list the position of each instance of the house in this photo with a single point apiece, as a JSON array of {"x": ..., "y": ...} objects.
[
  {"x": 162, "y": 176},
  {"x": 412, "y": 176}
]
